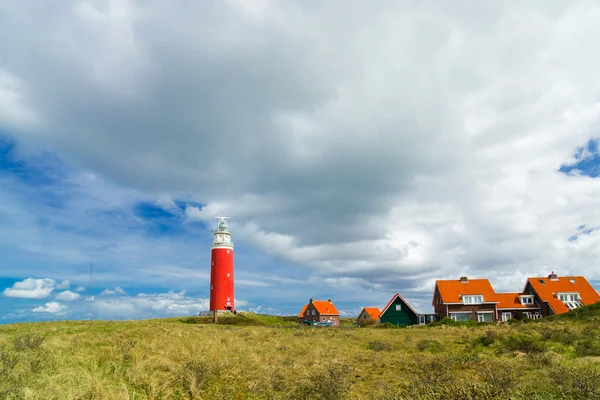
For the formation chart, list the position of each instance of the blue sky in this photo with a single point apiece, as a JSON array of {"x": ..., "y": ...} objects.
[{"x": 357, "y": 156}]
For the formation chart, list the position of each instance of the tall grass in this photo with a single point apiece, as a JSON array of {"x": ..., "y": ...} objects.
[{"x": 264, "y": 357}]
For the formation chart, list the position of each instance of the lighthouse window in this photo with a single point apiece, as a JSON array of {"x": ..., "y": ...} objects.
[
  {"x": 227, "y": 251},
  {"x": 229, "y": 299},
  {"x": 212, "y": 263},
  {"x": 228, "y": 274}
]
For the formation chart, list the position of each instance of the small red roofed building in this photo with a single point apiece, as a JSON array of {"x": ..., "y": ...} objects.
[
  {"x": 368, "y": 314},
  {"x": 465, "y": 300},
  {"x": 319, "y": 312},
  {"x": 560, "y": 294},
  {"x": 517, "y": 306}
]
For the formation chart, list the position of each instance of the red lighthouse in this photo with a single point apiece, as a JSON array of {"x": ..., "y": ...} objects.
[{"x": 221, "y": 269}]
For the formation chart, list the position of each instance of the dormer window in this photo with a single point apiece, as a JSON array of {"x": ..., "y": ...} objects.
[
  {"x": 572, "y": 281},
  {"x": 526, "y": 300},
  {"x": 569, "y": 297},
  {"x": 472, "y": 299}
]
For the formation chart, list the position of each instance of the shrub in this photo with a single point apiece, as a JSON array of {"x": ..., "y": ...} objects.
[
  {"x": 524, "y": 343},
  {"x": 28, "y": 341},
  {"x": 499, "y": 377},
  {"x": 197, "y": 375},
  {"x": 587, "y": 347},
  {"x": 577, "y": 382},
  {"x": 329, "y": 382},
  {"x": 489, "y": 338},
  {"x": 387, "y": 325},
  {"x": 378, "y": 345},
  {"x": 429, "y": 344}
]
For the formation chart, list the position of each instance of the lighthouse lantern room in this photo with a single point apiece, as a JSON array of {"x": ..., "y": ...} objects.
[{"x": 221, "y": 269}]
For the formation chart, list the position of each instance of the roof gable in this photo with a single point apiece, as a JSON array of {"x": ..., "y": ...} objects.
[
  {"x": 303, "y": 310},
  {"x": 546, "y": 289},
  {"x": 397, "y": 296},
  {"x": 452, "y": 290}
]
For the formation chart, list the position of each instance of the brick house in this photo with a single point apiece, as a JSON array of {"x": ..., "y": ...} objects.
[
  {"x": 517, "y": 306},
  {"x": 465, "y": 300},
  {"x": 368, "y": 314},
  {"x": 559, "y": 294},
  {"x": 319, "y": 311}
]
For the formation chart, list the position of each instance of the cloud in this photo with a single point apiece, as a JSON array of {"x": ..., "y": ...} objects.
[
  {"x": 80, "y": 289},
  {"x": 31, "y": 288},
  {"x": 52, "y": 308},
  {"x": 63, "y": 285},
  {"x": 67, "y": 295},
  {"x": 117, "y": 290},
  {"x": 398, "y": 145}
]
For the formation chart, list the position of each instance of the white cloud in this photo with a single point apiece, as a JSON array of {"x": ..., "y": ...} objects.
[
  {"x": 52, "y": 308},
  {"x": 31, "y": 288},
  {"x": 417, "y": 142},
  {"x": 116, "y": 290},
  {"x": 80, "y": 289},
  {"x": 63, "y": 285},
  {"x": 67, "y": 295}
]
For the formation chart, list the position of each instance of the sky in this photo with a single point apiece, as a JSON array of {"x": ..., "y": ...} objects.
[{"x": 360, "y": 150}]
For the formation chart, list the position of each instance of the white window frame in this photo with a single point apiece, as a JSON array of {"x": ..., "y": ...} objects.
[
  {"x": 453, "y": 315},
  {"x": 398, "y": 307},
  {"x": 472, "y": 299},
  {"x": 482, "y": 313}
]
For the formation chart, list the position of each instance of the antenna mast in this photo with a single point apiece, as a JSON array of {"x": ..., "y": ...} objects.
[{"x": 90, "y": 298}]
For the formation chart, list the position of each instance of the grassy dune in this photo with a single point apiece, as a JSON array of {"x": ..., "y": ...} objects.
[{"x": 262, "y": 357}]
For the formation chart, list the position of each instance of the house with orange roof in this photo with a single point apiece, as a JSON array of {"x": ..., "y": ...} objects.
[
  {"x": 465, "y": 300},
  {"x": 559, "y": 294},
  {"x": 517, "y": 306},
  {"x": 318, "y": 311},
  {"x": 368, "y": 314}
]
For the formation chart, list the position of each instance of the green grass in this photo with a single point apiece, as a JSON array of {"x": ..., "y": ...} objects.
[{"x": 266, "y": 357}]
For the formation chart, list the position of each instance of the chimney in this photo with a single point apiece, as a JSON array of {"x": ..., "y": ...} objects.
[
  {"x": 329, "y": 300},
  {"x": 310, "y": 300},
  {"x": 463, "y": 279},
  {"x": 553, "y": 276}
]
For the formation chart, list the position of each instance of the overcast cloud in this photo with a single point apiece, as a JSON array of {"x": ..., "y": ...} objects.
[{"x": 372, "y": 147}]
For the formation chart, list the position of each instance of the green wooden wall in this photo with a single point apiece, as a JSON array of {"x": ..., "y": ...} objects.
[{"x": 402, "y": 317}]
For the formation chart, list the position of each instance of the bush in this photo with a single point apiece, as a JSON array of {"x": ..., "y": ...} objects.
[
  {"x": 588, "y": 347},
  {"x": 378, "y": 345},
  {"x": 524, "y": 343},
  {"x": 329, "y": 382},
  {"x": 489, "y": 338},
  {"x": 28, "y": 341},
  {"x": 577, "y": 382},
  {"x": 429, "y": 344}
]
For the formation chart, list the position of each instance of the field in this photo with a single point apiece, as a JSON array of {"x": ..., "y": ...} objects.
[{"x": 263, "y": 357}]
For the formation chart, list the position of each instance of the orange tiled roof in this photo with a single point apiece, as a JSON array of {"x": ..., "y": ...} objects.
[
  {"x": 303, "y": 311},
  {"x": 450, "y": 290},
  {"x": 511, "y": 300},
  {"x": 325, "y": 307},
  {"x": 547, "y": 290},
  {"x": 373, "y": 312}
]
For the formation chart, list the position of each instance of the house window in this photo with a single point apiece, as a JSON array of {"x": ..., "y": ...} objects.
[
  {"x": 323, "y": 319},
  {"x": 307, "y": 312},
  {"x": 365, "y": 316},
  {"x": 398, "y": 307},
  {"x": 460, "y": 317},
  {"x": 334, "y": 322},
  {"x": 527, "y": 300},
  {"x": 484, "y": 317},
  {"x": 568, "y": 297},
  {"x": 472, "y": 299},
  {"x": 313, "y": 312},
  {"x": 572, "y": 281},
  {"x": 543, "y": 282}
]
